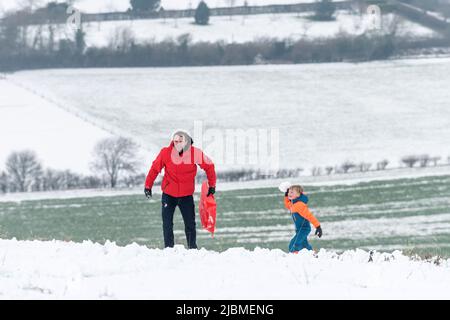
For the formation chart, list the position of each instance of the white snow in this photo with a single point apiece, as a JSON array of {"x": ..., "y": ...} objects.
[
  {"x": 60, "y": 139},
  {"x": 340, "y": 111},
  {"x": 237, "y": 30},
  {"x": 243, "y": 28},
  {"x": 66, "y": 270},
  {"x": 90, "y": 6}
]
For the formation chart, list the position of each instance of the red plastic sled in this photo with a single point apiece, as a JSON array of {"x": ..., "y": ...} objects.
[{"x": 207, "y": 208}]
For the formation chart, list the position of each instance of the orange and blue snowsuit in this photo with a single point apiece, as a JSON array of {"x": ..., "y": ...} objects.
[{"x": 302, "y": 218}]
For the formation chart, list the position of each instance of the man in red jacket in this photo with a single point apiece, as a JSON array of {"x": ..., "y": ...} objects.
[{"x": 179, "y": 160}]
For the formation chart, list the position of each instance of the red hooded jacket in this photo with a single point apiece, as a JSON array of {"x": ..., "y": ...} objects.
[{"x": 180, "y": 170}]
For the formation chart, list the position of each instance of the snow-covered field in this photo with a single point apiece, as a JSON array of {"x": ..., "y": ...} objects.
[
  {"x": 90, "y": 6},
  {"x": 238, "y": 29},
  {"x": 244, "y": 28},
  {"x": 66, "y": 270},
  {"x": 61, "y": 140},
  {"x": 326, "y": 114}
]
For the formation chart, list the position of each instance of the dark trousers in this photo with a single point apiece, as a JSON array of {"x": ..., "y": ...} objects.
[{"x": 187, "y": 208}]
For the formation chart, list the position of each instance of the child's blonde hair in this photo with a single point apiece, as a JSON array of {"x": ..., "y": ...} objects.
[{"x": 297, "y": 188}]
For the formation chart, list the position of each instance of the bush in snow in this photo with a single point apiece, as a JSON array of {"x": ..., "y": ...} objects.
[{"x": 202, "y": 14}]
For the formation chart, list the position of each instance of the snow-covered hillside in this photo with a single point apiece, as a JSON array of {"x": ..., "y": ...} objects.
[
  {"x": 27, "y": 121},
  {"x": 342, "y": 111},
  {"x": 66, "y": 270},
  {"x": 90, "y": 6},
  {"x": 239, "y": 29}
]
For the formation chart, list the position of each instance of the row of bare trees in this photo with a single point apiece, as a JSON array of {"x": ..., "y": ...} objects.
[
  {"x": 348, "y": 166},
  {"x": 409, "y": 161},
  {"x": 114, "y": 161},
  {"x": 251, "y": 174}
]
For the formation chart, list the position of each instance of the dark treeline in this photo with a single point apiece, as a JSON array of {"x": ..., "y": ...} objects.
[
  {"x": 15, "y": 55},
  {"x": 21, "y": 48}
]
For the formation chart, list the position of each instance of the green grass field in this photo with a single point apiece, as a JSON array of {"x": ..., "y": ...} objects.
[{"x": 412, "y": 215}]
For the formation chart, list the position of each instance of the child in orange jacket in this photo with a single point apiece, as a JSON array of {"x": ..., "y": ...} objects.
[{"x": 295, "y": 201}]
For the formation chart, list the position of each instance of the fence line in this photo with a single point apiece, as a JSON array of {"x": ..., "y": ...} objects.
[{"x": 174, "y": 14}]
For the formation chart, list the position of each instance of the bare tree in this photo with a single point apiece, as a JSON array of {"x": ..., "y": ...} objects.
[
  {"x": 410, "y": 161},
  {"x": 51, "y": 180},
  {"x": 122, "y": 39},
  {"x": 364, "y": 166},
  {"x": 113, "y": 156},
  {"x": 423, "y": 160},
  {"x": 382, "y": 164},
  {"x": 346, "y": 166},
  {"x": 329, "y": 170},
  {"x": 435, "y": 160},
  {"x": 23, "y": 169},
  {"x": 316, "y": 171},
  {"x": 3, "y": 182}
]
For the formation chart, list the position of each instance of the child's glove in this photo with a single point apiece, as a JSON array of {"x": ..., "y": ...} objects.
[{"x": 318, "y": 232}]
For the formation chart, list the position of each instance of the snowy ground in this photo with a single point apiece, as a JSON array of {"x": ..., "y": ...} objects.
[
  {"x": 338, "y": 112},
  {"x": 238, "y": 29},
  {"x": 27, "y": 121},
  {"x": 66, "y": 270},
  {"x": 244, "y": 28}
]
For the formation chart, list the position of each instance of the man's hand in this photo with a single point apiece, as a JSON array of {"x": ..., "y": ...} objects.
[
  {"x": 148, "y": 193},
  {"x": 318, "y": 232},
  {"x": 211, "y": 191}
]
